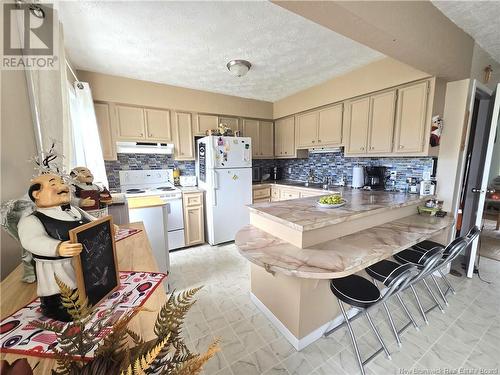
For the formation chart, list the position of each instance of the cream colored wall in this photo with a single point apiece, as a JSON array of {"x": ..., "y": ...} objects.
[
  {"x": 481, "y": 59},
  {"x": 18, "y": 146},
  {"x": 450, "y": 148},
  {"x": 376, "y": 76},
  {"x": 131, "y": 91}
]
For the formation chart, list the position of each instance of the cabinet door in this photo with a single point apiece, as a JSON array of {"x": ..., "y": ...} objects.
[
  {"x": 204, "y": 123},
  {"x": 230, "y": 122},
  {"x": 307, "y": 129},
  {"x": 357, "y": 119},
  {"x": 411, "y": 117},
  {"x": 289, "y": 194},
  {"x": 266, "y": 139},
  {"x": 158, "y": 125},
  {"x": 105, "y": 132},
  {"x": 193, "y": 222},
  {"x": 330, "y": 126},
  {"x": 284, "y": 145},
  {"x": 275, "y": 193},
  {"x": 184, "y": 136},
  {"x": 130, "y": 122},
  {"x": 251, "y": 129},
  {"x": 381, "y": 128}
]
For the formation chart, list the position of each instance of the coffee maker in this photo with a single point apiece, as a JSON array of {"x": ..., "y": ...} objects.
[{"x": 375, "y": 178}]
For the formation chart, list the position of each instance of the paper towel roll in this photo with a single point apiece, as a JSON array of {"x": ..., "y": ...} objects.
[{"x": 358, "y": 177}]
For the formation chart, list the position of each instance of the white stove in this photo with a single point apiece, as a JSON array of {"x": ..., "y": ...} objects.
[{"x": 147, "y": 183}]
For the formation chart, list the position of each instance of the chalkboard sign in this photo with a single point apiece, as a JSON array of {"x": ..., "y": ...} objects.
[{"x": 96, "y": 267}]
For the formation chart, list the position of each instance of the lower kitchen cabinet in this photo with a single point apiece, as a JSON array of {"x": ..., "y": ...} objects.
[
  {"x": 194, "y": 218},
  {"x": 261, "y": 194}
]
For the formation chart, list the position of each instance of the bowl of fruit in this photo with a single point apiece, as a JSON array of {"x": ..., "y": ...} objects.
[{"x": 331, "y": 201}]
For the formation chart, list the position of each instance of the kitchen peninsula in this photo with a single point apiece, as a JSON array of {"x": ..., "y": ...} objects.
[{"x": 295, "y": 247}]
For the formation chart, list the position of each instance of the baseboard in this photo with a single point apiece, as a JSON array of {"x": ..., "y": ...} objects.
[{"x": 297, "y": 343}]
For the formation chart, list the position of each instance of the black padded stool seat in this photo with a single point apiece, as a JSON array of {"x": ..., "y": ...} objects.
[
  {"x": 414, "y": 257},
  {"x": 426, "y": 245},
  {"x": 355, "y": 290},
  {"x": 381, "y": 270}
]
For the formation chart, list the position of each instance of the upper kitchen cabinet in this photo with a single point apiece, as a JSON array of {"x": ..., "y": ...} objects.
[
  {"x": 411, "y": 118},
  {"x": 262, "y": 135},
  {"x": 330, "y": 125},
  {"x": 307, "y": 129},
  {"x": 357, "y": 118},
  {"x": 380, "y": 130},
  {"x": 231, "y": 122},
  {"x": 183, "y": 136},
  {"x": 320, "y": 128},
  {"x": 143, "y": 124},
  {"x": 205, "y": 122},
  {"x": 284, "y": 137},
  {"x": 391, "y": 122},
  {"x": 158, "y": 125},
  {"x": 131, "y": 124},
  {"x": 103, "y": 117}
]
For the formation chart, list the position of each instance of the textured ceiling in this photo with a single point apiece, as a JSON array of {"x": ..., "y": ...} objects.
[
  {"x": 189, "y": 43},
  {"x": 479, "y": 19}
]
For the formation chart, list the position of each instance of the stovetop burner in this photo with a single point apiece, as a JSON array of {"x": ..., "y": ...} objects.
[
  {"x": 165, "y": 188},
  {"x": 135, "y": 191}
]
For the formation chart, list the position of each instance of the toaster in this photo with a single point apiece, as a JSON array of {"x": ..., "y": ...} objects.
[{"x": 187, "y": 181}]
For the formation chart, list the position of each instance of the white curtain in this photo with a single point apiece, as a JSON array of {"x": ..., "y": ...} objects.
[{"x": 85, "y": 147}]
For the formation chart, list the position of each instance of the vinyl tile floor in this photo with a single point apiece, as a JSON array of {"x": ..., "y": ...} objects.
[{"x": 463, "y": 340}]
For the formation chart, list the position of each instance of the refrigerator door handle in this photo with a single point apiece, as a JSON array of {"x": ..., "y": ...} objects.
[{"x": 215, "y": 179}]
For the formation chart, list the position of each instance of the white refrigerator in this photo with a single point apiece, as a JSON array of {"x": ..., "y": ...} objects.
[{"x": 224, "y": 171}]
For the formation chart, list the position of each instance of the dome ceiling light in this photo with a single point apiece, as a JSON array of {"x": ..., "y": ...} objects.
[{"x": 239, "y": 67}]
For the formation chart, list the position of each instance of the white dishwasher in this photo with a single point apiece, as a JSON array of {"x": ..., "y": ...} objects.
[{"x": 155, "y": 220}]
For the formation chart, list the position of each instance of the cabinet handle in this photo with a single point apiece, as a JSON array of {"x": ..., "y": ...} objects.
[
  {"x": 372, "y": 148},
  {"x": 361, "y": 148},
  {"x": 313, "y": 141},
  {"x": 142, "y": 135},
  {"x": 401, "y": 146},
  {"x": 150, "y": 135},
  {"x": 285, "y": 152},
  {"x": 319, "y": 140}
]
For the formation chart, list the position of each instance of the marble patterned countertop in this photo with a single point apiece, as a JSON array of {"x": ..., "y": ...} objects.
[
  {"x": 339, "y": 257},
  {"x": 303, "y": 214}
]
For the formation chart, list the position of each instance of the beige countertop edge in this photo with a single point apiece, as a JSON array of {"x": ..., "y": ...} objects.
[
  {"x": 324, "y": 275},
  {"x": 327, "y": 222}
]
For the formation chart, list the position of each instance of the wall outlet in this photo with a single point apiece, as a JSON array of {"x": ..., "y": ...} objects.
[
  {"x": 289, "y": 170},
  {"x": 393, "y": 175}
]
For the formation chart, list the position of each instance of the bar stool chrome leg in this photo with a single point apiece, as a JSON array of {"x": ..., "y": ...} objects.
[
  {"x": 447, "y": 282},
  {"x": 439, "y": 290},
  {"x": 407, "y": 312},
  {"x": 433, "y": 296},
  {"x": 422, "y": 311},
  {"x": 387, "y": 354},
  {"x": 394, "y": 330},
  {"x": 353, "y": 338}
]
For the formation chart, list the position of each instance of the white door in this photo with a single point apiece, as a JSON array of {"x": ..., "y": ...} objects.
[
  {"x": 480, "y": 191},
  {"x": 233, "y": 192},
  {"x": 232, "y": 152}
]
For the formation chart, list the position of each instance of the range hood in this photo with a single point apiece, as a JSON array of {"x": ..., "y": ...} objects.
[
  {"x": 144, "y": 148},
  {"x": 324, "y": 150}
]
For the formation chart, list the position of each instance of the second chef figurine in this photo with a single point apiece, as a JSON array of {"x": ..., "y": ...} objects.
[
  {"x": 89, "y": 196},
  {"x": 45, "y": 233}
]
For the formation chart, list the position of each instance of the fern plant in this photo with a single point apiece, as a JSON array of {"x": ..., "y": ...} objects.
[{"x": 167, "y": 354}]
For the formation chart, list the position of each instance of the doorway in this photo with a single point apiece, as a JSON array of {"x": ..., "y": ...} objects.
[{"x": 477, "y": 195}]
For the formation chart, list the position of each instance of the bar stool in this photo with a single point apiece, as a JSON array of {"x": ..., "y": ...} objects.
[
  {"x": 361, "y": 293},
  {"x": 424, "y": 264},
  {"x": 425, "y": 246}
]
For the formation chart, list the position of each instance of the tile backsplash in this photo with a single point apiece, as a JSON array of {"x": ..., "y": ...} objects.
[
  {"x": 335, "y": 165},
  {"x": 143, "y": 161}
]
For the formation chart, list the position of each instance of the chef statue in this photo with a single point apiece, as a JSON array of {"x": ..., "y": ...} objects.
[
  {"x": 88, "y": 195},
  {"x": 45, "y": 234}
]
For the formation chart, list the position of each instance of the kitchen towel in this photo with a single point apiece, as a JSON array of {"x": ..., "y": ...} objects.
[{"x": 19, "y": 335}]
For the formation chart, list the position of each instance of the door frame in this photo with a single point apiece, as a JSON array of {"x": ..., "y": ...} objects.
[{"x": 475, "y": 87}]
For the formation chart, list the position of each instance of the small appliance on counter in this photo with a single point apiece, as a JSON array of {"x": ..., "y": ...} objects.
[
  {"x": 358, "y": 177},
  {"x": 187, "y": 181},
  {"x": 413, "y": 185},
  {"x": 375, "y": 178}
]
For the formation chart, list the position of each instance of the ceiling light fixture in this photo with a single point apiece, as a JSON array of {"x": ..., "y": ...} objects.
[{"x": 239, "y": 67}]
